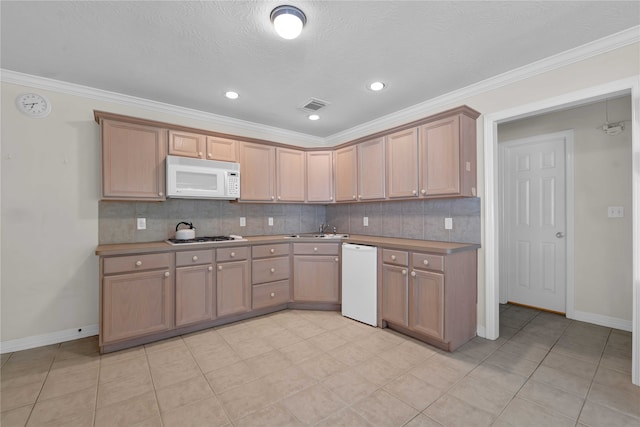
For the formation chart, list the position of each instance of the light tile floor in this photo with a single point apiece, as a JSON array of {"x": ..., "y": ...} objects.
[{"x": 318, "y": 368}]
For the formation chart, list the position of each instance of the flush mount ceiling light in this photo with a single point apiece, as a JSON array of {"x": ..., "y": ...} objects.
[
  {"x": 314, "y": 117},
  {"x": 288, "y": 21},
  {"x": 231, "y": 94},
  {"x": 377, "y": 86}
]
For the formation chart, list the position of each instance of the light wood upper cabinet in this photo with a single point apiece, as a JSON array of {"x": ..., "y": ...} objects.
[
  {"x": 290, "y": 179},
  {"x": 371, "y": 169},
  {"x": 402, "y": 164},
  {"x": 133, "y": 159},
  {"x": 447, "y": 155},
  {"x": 222, "y": 149},
  {"x": 187, "y": 144},
  {"x": 257, "y": 172},
  {"x": 346, "y": 174},
  {"x": 319, "y": 176}
]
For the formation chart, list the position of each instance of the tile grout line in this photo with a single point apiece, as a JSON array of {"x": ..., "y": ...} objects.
[{"x": 42, "y": 386}]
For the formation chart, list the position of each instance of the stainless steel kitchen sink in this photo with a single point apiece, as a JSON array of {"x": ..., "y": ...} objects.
[{"x": 317, "y": 236}]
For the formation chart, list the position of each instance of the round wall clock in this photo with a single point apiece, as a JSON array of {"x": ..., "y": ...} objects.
[{"x": 33, "y": 105}]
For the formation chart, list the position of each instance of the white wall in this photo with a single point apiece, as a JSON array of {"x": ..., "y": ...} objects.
[
  {"x": 602, "y": 164},
  {"x": 49, "y": 208}
]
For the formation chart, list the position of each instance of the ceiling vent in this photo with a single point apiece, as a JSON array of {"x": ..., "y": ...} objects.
[{"x": 314, "y": 104}]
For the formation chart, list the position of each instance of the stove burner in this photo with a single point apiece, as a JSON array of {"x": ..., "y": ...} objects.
[{"x": 206, "y": 239}]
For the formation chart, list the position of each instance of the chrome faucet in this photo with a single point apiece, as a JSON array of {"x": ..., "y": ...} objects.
[{"x": 323, "y": 227}]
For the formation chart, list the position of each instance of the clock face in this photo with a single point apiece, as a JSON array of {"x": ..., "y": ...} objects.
[{"x": 33, "y": 105}]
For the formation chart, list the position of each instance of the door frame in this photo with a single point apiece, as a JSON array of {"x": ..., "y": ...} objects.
[
  {"x": 491, "y": 238},
  {"x": 568, "y": 137}
]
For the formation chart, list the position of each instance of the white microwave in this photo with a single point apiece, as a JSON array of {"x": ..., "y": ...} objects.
[{"x": 189, "y": 178}]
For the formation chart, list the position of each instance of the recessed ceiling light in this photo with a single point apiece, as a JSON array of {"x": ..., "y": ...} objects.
[
  {"x": 231, "y": 94},
  {"x": 314, "y": 117},
  {"x": 376, "y": 86}
]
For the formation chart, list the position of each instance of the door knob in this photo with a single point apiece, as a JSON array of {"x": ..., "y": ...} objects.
[{"x": 559, "y": 234}]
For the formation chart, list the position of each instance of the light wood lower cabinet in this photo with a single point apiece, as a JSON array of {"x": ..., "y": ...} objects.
[
  {"x": 270, "y": 271},
  {"x": 395, "y": 294},
  {"x": 426, "y": 309},
  {"x": 136, "y": 301},
  {"x": 233, "y": 284},
  {"x": 195, "y": 287},
  {"x": 316, "y": 272}
]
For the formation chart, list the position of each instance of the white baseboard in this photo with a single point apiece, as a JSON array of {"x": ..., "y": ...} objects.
[
  {"x": 599, "y": 319},
  {"x": 47, "y": 339},
  {"x": 481, "y": 331}
]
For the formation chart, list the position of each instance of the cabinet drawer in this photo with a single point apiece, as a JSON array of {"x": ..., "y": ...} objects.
[
  {"x": 263, "y": 251},
  {"x": 389, "y": 256},
  {"x": 232, "y": 254},
  {"x": 269, "y": 294},
  {"x": 428, "y": 262},
  {"x": 316, "y": 248},
  {"x": 194, "y": 258},
  {"x": 137, "y": 263},
  {"x": 270, "y": 269}
]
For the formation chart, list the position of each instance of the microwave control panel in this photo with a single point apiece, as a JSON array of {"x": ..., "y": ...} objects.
[{"x": 233, "y": 184}]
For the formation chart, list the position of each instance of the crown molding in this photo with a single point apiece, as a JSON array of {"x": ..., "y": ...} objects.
[
  {"x": 229, "y": 124},
  {"x": 414, "y": 112}
]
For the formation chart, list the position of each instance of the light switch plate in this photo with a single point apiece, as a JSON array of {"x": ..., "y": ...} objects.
[
  {"x": 615, "y": 212},
  {"x": 243, "y": 221},
  {"x": 448, "y": 223},
  {"x": 365, "y": 221},
  {"x": 141, "y": 223},
  {"x": 270, "y": 221}
]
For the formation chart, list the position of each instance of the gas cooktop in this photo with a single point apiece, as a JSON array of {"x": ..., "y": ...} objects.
[{"x": 206, "y": 239}]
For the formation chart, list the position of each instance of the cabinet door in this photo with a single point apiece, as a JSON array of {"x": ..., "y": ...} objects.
[
  {"x": 316, "y": 278},
  {"x": 222, "y": 149},
  {"x": 290, "y": 175},
  {"x": 346, "y": 166},
  {"x": 233, "y": 288},
  {"x": 426, "y": 303},
  {"x": 319, "y": 176},
  {"x": 136, "y": 304},
  {"x": 195, "y": 301},
  {"x": 133, "y": 161},
  {"x": 257, "y": 172},
  {"x": 187, "y": 144},
  {"x": 395, "y": 294},
  {"x": 402, "y": 164},
  {"x": 371, "y": 169},
  {"x": 440, "y": 157}
]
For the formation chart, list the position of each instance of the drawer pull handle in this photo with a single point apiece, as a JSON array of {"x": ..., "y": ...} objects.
[
  {"x": 273, "y": 294},
  {"x": 195, "y": 258},
  {"x": 273, "y": 270},
  {"x": 337, "y": 259},
  {"x": 393, "y": 257},
  {"x": 272, "y": 251},
  {"x": 219, "y": 268},
  {"x": 210, "y": 268},
  {"x": 404, "y": 272},
  {"x": 166, "y": 274},
  {"x": 138, "y": 263},
  {"x": 232, "y": 254},
  {"x": 413, "y": 274},
  {"x": 425, "y": 262}
]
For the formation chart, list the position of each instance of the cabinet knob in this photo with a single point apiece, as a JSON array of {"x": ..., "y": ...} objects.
[
  {"x": 166, "y": 274},
  {"x": 279, "y": 198},
  {"x": 273, "y": 294},
  {"x": 413, "y": 274},
  {"x": 336, "y": 259},
  {"x": 195, "y": 258},
  {"x": 138, "y": 263},
  {"x": 273, "y": 270},
  {"x": 315, "y": 249},
  {"x": 359, "y": 196},
  {"x": 423, "y": 191},
  {"x": 404, "y": 272},
  {"x": 414, "y": 192},
  {"x": 331, "y": 198},
  {"x": 161, "y": 194},
  {"x": 353, "y": 197},
  {"x": 210, "y": 155},
  {"x": 232, "y": 254},
  {"x": 393, "y": 257},
  {"x": 425, "y": 262},
  {"x": 272, "y": 197},
  {"x": 272, "y": 251},
  {"x": 199, "y": 153},
  {"x": 210, "y": 268},
  {"x": 219, "y": 268}
]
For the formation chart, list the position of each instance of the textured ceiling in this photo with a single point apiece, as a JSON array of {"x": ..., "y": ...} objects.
[{"x": 189, "y": 53}]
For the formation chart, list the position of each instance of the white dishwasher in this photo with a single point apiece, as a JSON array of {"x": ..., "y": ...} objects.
[{"x": 359, "y": 283}]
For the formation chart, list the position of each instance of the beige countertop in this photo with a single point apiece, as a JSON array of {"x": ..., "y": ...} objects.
[{"x": 387, "y": 242}]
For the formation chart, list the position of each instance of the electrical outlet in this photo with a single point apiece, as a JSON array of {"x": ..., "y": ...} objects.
[
  {"x": 141, "y": 223},
  {"x": 270, "y": 221},
  {"x": 615, "y": 212},
  {"x": 448, "y": 223},
  {"x": 365, "y": 221},
  {"x": 243, "y": 221}
]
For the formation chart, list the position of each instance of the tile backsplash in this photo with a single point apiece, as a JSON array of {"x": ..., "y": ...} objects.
[{"x": 411, "y": 219}]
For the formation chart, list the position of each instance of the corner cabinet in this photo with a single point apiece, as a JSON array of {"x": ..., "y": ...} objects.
[
  {"x": 133, "y": 157},
  {"x": 316, "y": 272},
  {"x": 432, "y": 297},
  {"x": 319, "y": 176}
]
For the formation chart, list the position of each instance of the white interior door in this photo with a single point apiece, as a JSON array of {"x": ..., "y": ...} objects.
[{"x": 534, "y": 221}]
